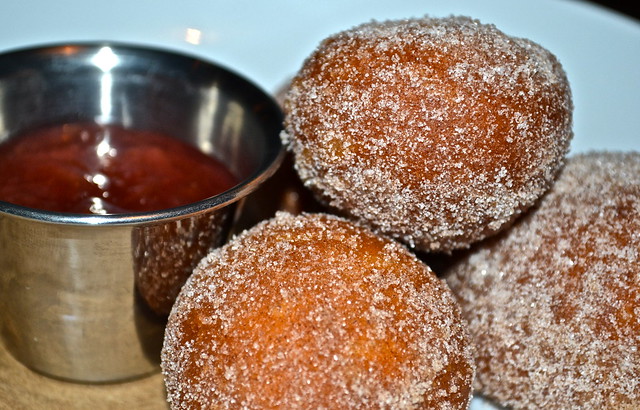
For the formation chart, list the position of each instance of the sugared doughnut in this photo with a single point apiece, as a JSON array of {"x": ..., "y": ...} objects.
[
  {"x": 313, "y": 311},
  {"x": 435, "y": 131},
  {"x": 554, "y": 302}
]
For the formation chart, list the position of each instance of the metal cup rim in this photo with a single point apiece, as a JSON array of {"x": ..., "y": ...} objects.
[{"x": 244, "y": 187}]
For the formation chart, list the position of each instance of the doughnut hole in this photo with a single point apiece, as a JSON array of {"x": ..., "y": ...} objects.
[
  {"x": 553, "y": 303},
  {"x": 313, "y": 311},
  {"x": 437, "y": 131}
]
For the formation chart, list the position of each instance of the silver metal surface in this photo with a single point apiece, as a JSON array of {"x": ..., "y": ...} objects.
[{"x": 85, "y": 297}]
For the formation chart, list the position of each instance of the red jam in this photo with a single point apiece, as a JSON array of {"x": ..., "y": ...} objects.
[{"x": 97, "y": 169}]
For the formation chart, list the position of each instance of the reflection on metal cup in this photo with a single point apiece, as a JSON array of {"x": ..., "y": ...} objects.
[
  {"x": 85, "y": 297},
  {"x": 165, "y": 254},
  {"x": 68, "y": 301}
]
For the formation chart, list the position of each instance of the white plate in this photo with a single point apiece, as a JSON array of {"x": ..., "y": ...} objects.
[{"x": 267, "y": 41}]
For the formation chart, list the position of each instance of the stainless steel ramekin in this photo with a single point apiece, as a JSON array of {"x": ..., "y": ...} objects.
[{"x": 84, "y": 297}]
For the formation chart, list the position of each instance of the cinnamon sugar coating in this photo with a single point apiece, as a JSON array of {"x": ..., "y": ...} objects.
[
  {"x": 313, "y": 311},
  {"x": 435, "y": 131},
  {"x": 553, "y": 303}
]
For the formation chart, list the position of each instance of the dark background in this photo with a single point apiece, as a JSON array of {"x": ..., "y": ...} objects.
[{"x": 628, "y": 7}]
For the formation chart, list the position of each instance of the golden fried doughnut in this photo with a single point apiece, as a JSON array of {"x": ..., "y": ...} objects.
[
  {"x": 554, "y": 302},
  {"x": 313, "y": 311},
  {"x": 435, "y": 131}
]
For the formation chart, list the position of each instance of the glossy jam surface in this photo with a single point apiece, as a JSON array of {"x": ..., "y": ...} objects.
[{"x": 97, "y": 169}]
